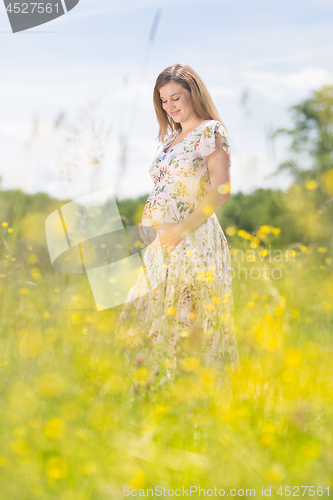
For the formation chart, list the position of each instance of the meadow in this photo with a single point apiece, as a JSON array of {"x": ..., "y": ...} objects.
[{"x": 76, "y": 425}]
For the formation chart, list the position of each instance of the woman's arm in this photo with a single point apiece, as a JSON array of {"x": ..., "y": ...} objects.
[{"x": 218, "y": 165}]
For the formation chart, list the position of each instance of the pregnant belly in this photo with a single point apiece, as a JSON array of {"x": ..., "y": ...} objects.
[{"x": 160, "y": 208}]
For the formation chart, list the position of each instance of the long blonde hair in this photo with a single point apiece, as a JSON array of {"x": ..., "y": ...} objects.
[{"x": 190, "y": 80}]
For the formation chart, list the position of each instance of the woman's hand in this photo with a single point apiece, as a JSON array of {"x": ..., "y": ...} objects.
[
  {"x": 171, "y": 235},
  {"x": 144, "y": 237}
]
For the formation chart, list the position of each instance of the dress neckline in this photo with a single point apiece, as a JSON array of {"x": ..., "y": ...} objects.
[{"x": 174, "y": 137}]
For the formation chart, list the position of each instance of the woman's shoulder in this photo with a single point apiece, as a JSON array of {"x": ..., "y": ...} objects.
[
  {"x": 212, "y": 129},
  {"x": 213, "y": 124},
  {"x": 210, "y": 135}
]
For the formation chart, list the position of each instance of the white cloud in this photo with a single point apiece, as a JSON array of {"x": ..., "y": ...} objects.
[
  {"x": 277, "y": 64},
  {"x": 277, "y": 87}
]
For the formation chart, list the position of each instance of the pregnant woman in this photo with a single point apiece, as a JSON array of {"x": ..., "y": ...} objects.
[{"x": 186, "y": 318}]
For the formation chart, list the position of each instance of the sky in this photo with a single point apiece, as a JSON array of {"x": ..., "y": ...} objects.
[{"x": 78, "y": 88}]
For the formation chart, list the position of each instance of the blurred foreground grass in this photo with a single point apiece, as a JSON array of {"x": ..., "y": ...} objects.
[{"x": 73, "y": 428}]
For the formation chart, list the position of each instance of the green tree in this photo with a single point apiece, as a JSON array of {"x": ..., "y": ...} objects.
[
  {"x": 312, "y": 134},
  {"x": 310, "y": 198}
]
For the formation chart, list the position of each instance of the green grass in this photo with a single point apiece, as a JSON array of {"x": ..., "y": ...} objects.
[{"x": 76, "y": 425}]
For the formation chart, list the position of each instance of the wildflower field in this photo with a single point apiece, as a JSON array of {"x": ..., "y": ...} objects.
[{"x": 75, "y": 425}]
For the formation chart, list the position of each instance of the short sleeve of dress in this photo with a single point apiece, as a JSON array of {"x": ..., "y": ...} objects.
[{"x": 208, "y": 137}]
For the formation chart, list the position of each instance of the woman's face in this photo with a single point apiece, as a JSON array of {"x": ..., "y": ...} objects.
[{"x": 177, "y": 102}]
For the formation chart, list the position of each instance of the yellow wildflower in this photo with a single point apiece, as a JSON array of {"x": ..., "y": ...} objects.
[
  {"x": 311, "y": 184},
  {"x": 35, "y": 273},
  {"x": 138, "y": 481},
  {"x": 50, "y": 385},
  {"x": 56, "y": 468},
  {"x": 278, "y": 310},
  {"x": 55, "y": 428},
  {"x": 89, "y": 468},
  {"x": 231, "y": 231},
  {"x": 190, "y": 364},
  {"x": 273, "y": 343},
  {"x": 32, "y": 259},
  {"x": 143, "y": 375},
  {"x": 200, "y": 276},
  {"x": 243, "y": 234}
]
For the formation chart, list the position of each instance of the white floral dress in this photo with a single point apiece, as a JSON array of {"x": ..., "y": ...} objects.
[{"x": 194, "y": 283}]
